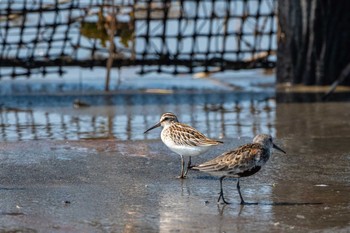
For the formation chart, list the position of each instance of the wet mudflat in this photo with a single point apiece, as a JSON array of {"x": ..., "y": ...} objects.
[{"x": 108, "y": 185}]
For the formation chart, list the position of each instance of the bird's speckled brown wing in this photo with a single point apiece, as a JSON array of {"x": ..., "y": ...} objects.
[
  {"x": 186, "y": 135},
  {"x": 239, "y": 160}
]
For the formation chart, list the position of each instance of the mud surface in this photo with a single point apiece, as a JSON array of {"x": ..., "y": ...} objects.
[{"x": 108, "y": 185}]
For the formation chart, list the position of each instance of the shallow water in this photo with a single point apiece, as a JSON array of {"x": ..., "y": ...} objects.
[
  {"x": 114, "y": 184},
  {"x": 126, "y": 117}
]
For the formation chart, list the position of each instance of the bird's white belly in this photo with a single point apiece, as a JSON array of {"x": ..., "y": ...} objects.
[{"x": 184, "y": 149}]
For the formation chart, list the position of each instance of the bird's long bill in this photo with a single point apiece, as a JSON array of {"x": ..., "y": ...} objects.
[
  {"x": 153, "y": 127},
  {"x": 278, "y": 148}
]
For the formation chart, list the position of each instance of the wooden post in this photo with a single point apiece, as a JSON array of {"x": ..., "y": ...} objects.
[
  {"x": 111, "y": 28},
  {"x": 313, "y": 41}
]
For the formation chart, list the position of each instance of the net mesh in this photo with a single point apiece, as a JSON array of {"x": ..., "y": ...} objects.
[{"x": 176, "y": 37}]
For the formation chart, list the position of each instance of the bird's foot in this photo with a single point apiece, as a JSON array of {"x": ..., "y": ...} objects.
[
  {"x": 182, "y": 177},
  {"x": 224, "y": 202},
  {"x": 249, "y": 203},
  {"x": 191, "y": 166}
]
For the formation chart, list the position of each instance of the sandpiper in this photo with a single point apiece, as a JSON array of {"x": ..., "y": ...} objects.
[
  {"x": 240, "y": 162},
  {"x": 183, "y": 139}
]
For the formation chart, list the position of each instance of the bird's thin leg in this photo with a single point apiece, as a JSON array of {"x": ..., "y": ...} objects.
[
  {"x": 188, "y": 165},
  {"x": 222, "y": 191},
  {"x": 182, "y": 175},
  {"x": 239, "y": 192}
]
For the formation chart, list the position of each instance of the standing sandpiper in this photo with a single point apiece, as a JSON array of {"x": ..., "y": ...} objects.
[
  {"x": 182, "y": 139},
  {"x": 243, "y": 161}
]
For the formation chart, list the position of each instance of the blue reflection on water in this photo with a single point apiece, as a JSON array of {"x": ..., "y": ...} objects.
[{"x": 126, "y": 117}]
